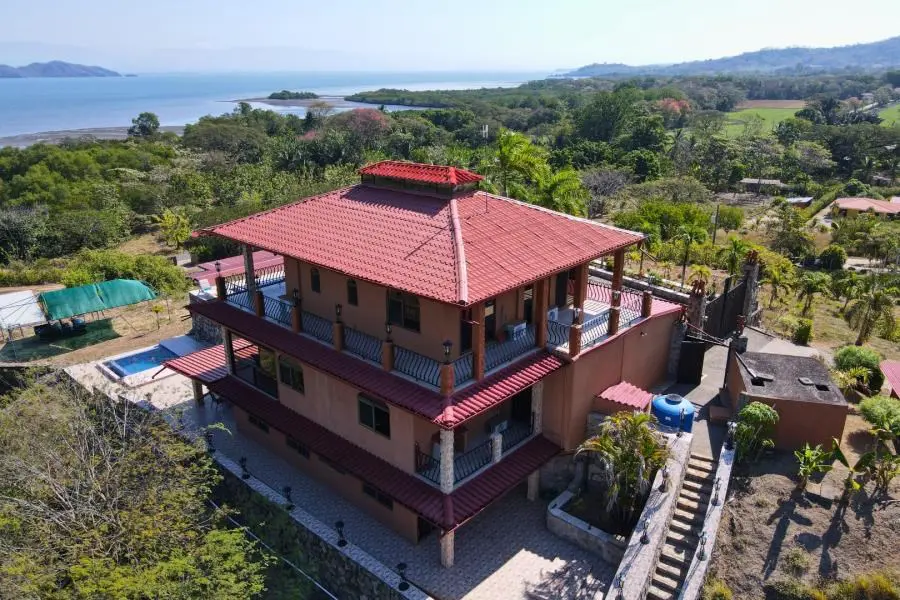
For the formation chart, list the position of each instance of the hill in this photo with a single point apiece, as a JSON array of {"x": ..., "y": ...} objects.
[
  {"x": 55, "y": 68},
  {"x": 870, "y": 57}
]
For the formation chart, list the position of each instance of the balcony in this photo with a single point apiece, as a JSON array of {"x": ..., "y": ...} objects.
[
  {"x": 426, "y": 370},
  {"x": 477, "y": 456}
]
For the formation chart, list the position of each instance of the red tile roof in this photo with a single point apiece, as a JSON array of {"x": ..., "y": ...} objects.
[
  {"x": 393, "y": 389},
  {"x": 234, "y": 265},
  {"x": 405, "y": 488},
  {"x": 461, "y": 251},
  {"x": 891, "y": 370},
  {"x": 628, "y": 395},
  {"x": 863, "y": 204},
  {"x": 422, "y": 173},
  {"x": 208, "y": 365}
]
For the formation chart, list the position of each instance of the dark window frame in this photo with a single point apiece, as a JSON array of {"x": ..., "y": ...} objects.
[
  {"x": 258, "y": 423},
  {"x": 298, "y": 447},
  {"x": 352, "y": 292},
  {"x": 404, "y": 310},
  {"x": 379, "y": 496},
  {"x": 290, "y": 373},
  {"x": 315, "y": 280},
  {"x": 374, "y": 415}
]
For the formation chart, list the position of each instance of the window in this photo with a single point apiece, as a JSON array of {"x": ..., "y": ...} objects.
[
  {"x": 352, "y": 294},
  {"x": 299, "y": 448},
  {"x": 403, "y": 310},
  {"x": 381, "y": 498},
  {"x": 375, "y": 416},
  {"x": 315, "y": 281},
  {"x": 291, "y": 373},
  {"x": 254, "y": 420}
]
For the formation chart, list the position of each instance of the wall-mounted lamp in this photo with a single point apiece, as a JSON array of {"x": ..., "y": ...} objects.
[{"x": 448, "y": 345}]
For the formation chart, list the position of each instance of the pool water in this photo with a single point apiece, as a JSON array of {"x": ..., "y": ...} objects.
[{"x": 142, "y": 361}]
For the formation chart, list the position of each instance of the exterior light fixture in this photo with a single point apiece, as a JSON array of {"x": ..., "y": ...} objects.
[
  {"x": 664, "y": 486},
  {"x": 296, "y": 295},
  {"x": 342, "y": 541},
  {"x": 645, "y": 537},
  {"x": 404, "y": 582},
  {"x": 218, "y": 268},
  {"x": 286, "y": 492},
  {"x": 388, "y": 329},
  {"x": 337, "y": 310},
  {"x": 448, "y": 345}
]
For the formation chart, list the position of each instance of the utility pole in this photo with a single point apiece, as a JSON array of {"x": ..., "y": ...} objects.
[{"x": 715, "y": 225}]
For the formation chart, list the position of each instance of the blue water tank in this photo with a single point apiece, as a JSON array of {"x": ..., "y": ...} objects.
[{"x": 673, "y": 411}]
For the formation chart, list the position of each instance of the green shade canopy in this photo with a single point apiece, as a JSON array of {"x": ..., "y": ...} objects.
[{"x": 94, "y": 297}]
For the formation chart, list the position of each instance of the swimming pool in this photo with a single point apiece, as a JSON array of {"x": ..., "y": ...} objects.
[{"x": 141, "y": 361}]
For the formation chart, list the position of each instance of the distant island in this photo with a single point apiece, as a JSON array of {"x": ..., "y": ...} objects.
[
  {"x": 54, "y": 68},
  {"x": 289, "y": 95},
  {"x": 868, "y": 57}
]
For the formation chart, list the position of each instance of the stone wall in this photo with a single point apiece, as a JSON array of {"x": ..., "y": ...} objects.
[
  {"x": 201, "y": 327},
  {"x": 692, "y": 586},
  {"x": 632, "y": 578},
  {"x": 609, "y": 547},
  {"x": 557, "y": 474}
]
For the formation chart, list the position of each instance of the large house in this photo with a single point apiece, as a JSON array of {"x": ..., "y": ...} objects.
[
  {"x": 851, "y": 207},
  {"x": 426, "y": 347}
]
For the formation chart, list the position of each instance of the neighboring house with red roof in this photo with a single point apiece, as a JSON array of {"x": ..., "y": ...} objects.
[
  {"x": 429, "y": 346},
  {"x": 891, "y": 370},
  {"x": 851, "y": 207}
]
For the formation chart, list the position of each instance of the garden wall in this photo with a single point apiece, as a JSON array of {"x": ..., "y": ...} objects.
[{"x": 611, "y": 548}]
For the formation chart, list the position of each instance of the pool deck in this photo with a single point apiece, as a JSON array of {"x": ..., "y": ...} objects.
[{"x": 178, "y": 345}]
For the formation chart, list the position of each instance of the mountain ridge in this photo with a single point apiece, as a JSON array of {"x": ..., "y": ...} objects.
[
  {"x": 869, "y": 56},
  {"x": 54, "y": 68}
]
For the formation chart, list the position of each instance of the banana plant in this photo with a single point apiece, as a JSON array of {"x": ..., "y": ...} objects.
[{"x": 814, "y": 460}]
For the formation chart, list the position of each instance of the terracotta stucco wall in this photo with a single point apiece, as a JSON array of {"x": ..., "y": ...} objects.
[
  {"x": 805, "y": 422},
  {"x": 735, "y": 383},
  {"x": 334, "y": 405},
  {"x": 506, "y": 311},
  {"x": 646, "y": 357},
  {"x": 438, "y": 322},
  {"x": 557, "y": 389},
  {"x": 399, "y": 518}
]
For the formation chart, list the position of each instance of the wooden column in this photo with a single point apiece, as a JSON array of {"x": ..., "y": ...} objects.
[
  {"x": 198, "y": 391},
  {"x": 229, "y": 350},
  {"x": 581, "y": 281},
  {"x": 616, "y": 302},
  {"x": 618, "y": 270},
  {"x": 220, "y": 288},
  {"x": 478, "y": 341},
  {"x": 259, "y": 303},
  {"x": 448, "y": 377},
  {"x": 647, "y": 303},
  {"x": 297, "y": 313},
  {"x": 249, "y": 270},
  {"x": 575, "y": 337},
  {"x": 541, "y": 296}
]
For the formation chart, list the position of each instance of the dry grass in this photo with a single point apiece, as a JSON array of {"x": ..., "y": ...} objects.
[
  {"x": 797, "y": 104},
  {"x": 146, "y": 244}
]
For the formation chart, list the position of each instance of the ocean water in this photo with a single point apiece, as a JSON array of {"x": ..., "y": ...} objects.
[{"x": 39, "y": 105}]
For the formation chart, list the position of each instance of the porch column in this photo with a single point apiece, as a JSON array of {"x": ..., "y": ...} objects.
[
  {"x": 534, "y": 484},
  {"x": 537, "y": 408},
  {"x": 539, "y": 300},
  {"x": 229, "y": 350},
  {"x": 198, "y": 391},
  {"x": 647, "y": 304},
  {"x": 447, "y": 475},
  {"x": 337, "y": 329},
  {"x": 575, "y": 333},
  {"x": 616, "y": 301},
  {"x": 447, "y": 544},
  {"x": 496, "y": 447},
  {"x": 581, "y": 281},
  {"x": 249, "y": 270},
  {"x": 478, "y": 341},
  {"x": 297, "y": 312}
]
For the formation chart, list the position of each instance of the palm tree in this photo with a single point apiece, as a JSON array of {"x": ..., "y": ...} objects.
[
  {"x": 700, "y": 273},
  {"x": 874, "y": 307},
  {"x": 808, "y": 286},
  {"x": 778, "y": 280},
  {"x": 689, "y": 235},
  {"x": 561, "y": 191},
  {"x": 732, "y": 254},
  {"x": 847, "y": 286},
  {"x": 629, "y": 453},
  {"x": 514, "y": 158}
]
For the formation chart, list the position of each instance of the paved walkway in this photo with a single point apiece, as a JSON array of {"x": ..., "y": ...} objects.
[{"x": 504, "y": 553}]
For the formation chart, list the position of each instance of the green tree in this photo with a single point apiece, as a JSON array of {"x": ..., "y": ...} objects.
[
  {"x": 145, "y": 125},
  {"x": 608, "y": 114},
  {"x": 515, "y": 160},
  {"x": 873, "y": 308},
  {"x": 808, "y": 286},
  {"x": 882, "y": 412},
  {"x": 786, "y": 232},
  {"x": 732, "y": 254},
  {"x": 849, "y": 357},
  {"x": 755, "y": 428},
  {"x": 689, "y": 235},
  {"x": 833, "y": 257},
  {"x": 104, "y": 500},
  {"x": 629, "y": 453},
  {"x": 174, "y": 227},
  {"x": 846, "y": 286},
  {"x": 561, "y": 191},
  {"x": 730, "y": 217}
]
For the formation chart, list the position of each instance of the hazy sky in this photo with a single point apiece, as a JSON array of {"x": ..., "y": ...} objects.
[{"x": 526, "y": 35}]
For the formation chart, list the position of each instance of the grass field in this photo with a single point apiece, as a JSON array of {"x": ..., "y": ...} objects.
[
  {"x": 770, "y": 116},
  {"x": 891, "y": 115}
]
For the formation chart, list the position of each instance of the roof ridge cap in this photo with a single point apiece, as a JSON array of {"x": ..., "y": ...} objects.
[{"x": 459, "y": 251}]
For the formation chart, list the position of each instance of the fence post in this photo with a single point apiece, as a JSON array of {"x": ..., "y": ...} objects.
[
  {"x": 646, "y": 303},
  {"x": 221, "y": 291},
  {"x": 259, "y": 303}
]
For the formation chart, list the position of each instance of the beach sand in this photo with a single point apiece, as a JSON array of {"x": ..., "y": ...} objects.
[{"x": 54, "y": 137}]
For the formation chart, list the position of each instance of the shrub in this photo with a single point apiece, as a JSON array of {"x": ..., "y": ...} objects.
[
  {"x": 755, "y": 427},
  {"x": 803, "y": 332},
  {"x": 857, "y": 356},
  {"x": 716, "y": 589},
  {"x": 869, "y": 586},
  {"x": 833, "y": 257},
  {"x": 90, "y": 266},
  {"x": 881, "y": 412},
  {"x": 796, "y": 561}
]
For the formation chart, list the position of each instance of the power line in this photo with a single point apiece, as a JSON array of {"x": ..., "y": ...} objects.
[{"x": 248, "y": 531}]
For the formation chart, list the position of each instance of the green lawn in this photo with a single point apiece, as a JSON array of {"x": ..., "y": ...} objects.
[
  {"x": 31, "y": 348},
  {"x": 891, "y": 115},
  {"x": 770, "y": 116}
]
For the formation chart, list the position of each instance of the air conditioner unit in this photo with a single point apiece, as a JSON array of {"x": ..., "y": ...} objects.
[
  {"x": 553, "y": 314},
  {"x": 500, "y": 427},
  {"x": 515, "y": 330}
]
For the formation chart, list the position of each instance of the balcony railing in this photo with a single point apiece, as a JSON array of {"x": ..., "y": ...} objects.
[
  {"x": 499, "y": 353},
  {"x": 417, "y": 366},
  {"x": 319, "y": 328},
  {"x": 278, "y": 310},
  {"x": 465, "y": 464},
  {"x": 362, "y": 344}
]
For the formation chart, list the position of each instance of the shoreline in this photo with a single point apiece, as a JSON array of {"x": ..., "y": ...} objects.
[{"x": 23, "y": 140}]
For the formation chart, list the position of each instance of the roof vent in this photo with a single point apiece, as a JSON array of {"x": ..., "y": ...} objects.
[
  {"x": 805, "y": 380},
  {"x": 822, "y": 387}
]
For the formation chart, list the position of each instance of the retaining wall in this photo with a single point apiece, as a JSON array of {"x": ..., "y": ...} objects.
[{"x": 610, "y": 547}]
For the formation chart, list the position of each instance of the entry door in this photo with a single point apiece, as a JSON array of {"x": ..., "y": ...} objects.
[{"x": 562, "y": 289}]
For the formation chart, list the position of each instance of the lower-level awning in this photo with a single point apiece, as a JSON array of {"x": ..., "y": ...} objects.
[{"x": 629, "y": 396}]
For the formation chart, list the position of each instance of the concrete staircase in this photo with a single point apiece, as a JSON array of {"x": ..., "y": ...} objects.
[{"x": 684, "y": 529}]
